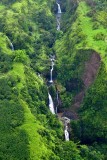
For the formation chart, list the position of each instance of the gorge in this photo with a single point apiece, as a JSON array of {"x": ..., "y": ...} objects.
[{"x": 53, "y": 92}]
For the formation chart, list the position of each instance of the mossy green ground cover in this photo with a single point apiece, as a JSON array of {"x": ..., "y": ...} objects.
[
  {"x": 86, "y": 24},
  {"x": 14, "y": 80},
  {"x": 28, "y": 129}
]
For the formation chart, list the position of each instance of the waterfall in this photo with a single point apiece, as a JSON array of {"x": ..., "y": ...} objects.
[
  {"x": 59, "y": 8},
  {"x": 58, "y": 16},
  {"x": 51, "y": 80},
  {"x": 58, "y": 25},
  {"x": 51, "y": 71},
  {"x": 51, "y": 104},
  {"x": 57, "y": 99},
  {"x": 12, "y": 47},
  {"x": 10, "y": 43},
  {"x": 66, "y": 121},
  {"x": 66, "y": 133}
]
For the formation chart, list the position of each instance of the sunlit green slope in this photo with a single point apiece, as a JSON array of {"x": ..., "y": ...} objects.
[
  {"x": 25, "y": 130},
  {"x": 86, "y": 36},
  {"x": 28, "y": 36}
]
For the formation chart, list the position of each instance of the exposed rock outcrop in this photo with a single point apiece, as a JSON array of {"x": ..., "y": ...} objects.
[{"x": 90, "y": 72}]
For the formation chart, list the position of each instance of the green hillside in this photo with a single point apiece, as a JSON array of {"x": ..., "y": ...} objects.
[{"x": 28, "y": 37}]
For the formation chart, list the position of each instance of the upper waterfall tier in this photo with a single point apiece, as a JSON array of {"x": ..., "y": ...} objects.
[{"x": 59, "y": 8}]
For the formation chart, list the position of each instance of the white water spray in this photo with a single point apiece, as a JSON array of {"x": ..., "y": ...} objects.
[
  {"x": 58, "y": 16},
  {"x": 12, "y": 47},
  {"x": 10, "y": 43},
  {"x": 58, "y": 25},
  {"x": 51, "y": 104},
  {"x": 59, "y": 8},
  {"x": 66, "y": 133},
  {"x": 51, "y": 71}
]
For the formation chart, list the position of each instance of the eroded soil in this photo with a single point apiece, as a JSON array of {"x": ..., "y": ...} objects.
[{"x": 91, "y": 69}]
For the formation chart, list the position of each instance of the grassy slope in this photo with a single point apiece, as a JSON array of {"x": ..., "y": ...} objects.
[
  {"x": 38, "y": 145},
  {"x": 30, "y": 125},
  {"x": 86, "y": 24},
  {"x": 100, "y": 47}
]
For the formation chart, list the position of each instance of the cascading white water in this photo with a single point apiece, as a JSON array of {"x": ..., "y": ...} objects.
[
  {"x": 51, "y": 104},
  {"x": 66, "y": 133},
  {"x": 51, "y": 71},
  {"x": 10, "y": 43},
  {"x": 59, "y": 8},
  {"x": 52, "y": 64},
  {"x": 12, "y": 47},
  {"x": 58, "y": 25},
  {"x": 57, "y": 98},
  {"x": 58, "y": 16}
]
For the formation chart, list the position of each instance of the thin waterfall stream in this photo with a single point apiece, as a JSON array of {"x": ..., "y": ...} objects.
[
  {"x": 52, "y": 59},
  {"x": 66, "y": 133},
  {"x": 52, "y": 67},
  {"x": 12, "y": 47},
  {"x": 52, "y": 108},
  {"x": 58, "y": 16},
  {"x": 59, "y": 8},
  {"x": 51, "y": 104},
  {"x": 10, "y": 43}
]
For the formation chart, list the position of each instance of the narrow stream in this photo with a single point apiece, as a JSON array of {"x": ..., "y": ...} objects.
[
  {"x": 58, "y": 16},
  {"x": 10, "y": 44},
  {"x": 12, "y": 47},
  {"x": 51, "y": 104},
  {"x": 52, "y": 59},
  {"x": 66, "y": 133}
]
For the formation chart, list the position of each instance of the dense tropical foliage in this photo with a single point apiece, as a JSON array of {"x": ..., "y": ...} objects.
[{"x": 28, "y": 36}]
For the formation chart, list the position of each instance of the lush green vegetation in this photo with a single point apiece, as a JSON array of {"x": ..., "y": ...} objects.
[
  {"x": 86, "y": 35},
  {"x": 28, "y": 131}
]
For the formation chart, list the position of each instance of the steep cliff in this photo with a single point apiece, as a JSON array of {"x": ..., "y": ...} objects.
[{"x": 28, "y": 38}]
